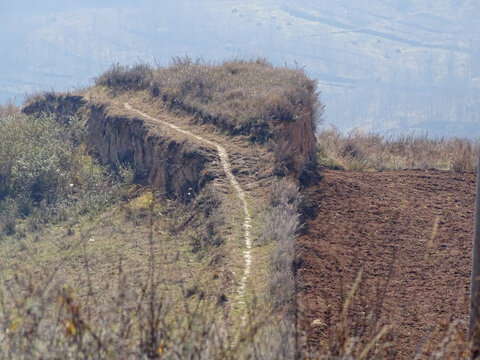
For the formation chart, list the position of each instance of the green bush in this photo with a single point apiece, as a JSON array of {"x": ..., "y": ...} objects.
[{"x": 44, "y": 167}]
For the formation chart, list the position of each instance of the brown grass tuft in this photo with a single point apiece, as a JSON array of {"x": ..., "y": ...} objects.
[{"x": 367, "y": 152}]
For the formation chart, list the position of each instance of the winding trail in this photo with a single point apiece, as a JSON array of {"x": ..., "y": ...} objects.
[{"x": 227, "y": 168}]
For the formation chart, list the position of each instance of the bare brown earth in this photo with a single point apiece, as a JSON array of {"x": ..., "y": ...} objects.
[{"x": 383, "y": 222}]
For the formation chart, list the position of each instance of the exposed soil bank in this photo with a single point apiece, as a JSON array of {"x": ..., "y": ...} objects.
[
  {"x": 174, "y": 166},
  {"x": 383, "y": 222}
]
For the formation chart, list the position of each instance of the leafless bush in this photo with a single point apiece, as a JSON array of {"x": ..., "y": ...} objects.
[
  {"x": 286, "y": 159},
  {"x": 463, "y": 157},
  {"x": 9, "y": 110},
  {"x": 281, "y": 219},
  {"x": 280, "y": 224},
  {"x": 123, "y": 78},
  {"x": 284, "y": 191}
]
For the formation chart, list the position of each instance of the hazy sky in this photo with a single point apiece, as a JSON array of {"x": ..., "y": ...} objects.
[{"x": 386, "y": 66}]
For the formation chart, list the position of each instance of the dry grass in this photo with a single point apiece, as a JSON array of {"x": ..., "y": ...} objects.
[
  {"x": 237, "y": 96},
  {"x": 148, "y": 278},
  {"x": 9, "y": 110},
  {"x": 129, "y": 285},
  {"x": 367, "y": 152},
  {"x": 280, "y": 225},
  {"x": 124, "y": 78},
  {"x": 190, "y": 310}
]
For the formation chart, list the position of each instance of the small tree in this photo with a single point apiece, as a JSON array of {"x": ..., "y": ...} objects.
[{"x": 474, "y": 324}]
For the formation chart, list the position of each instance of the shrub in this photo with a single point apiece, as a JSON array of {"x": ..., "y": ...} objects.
[
  {"x": 124, "y": 78},
  {"x": 44, "y": 167},
  {"x": 283, "y": 192},
  {"x": 285, "y": 157},
  {"x": 280, "y": 225},
  {"x": 9, "y": 110},
  {"x": 463, "y": 156}
]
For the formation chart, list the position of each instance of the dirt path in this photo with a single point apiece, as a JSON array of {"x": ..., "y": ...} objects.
[
  {"x": 383, "y": 223},
  {"x": 227, "y": 168}
]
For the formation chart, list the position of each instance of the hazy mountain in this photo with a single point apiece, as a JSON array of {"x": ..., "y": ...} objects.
[{"x": 385, "y": 66}]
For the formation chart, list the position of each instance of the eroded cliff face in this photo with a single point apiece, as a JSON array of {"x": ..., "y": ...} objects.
[
  {"x": 175, "y": 167},
  {"x": 178, "y": 168},
  {"x": 294, "y": 147}
]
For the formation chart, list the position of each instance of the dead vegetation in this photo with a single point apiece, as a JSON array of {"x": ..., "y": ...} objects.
[
  {"x": 42, "y": 317},
  {"x": 239, "y": 97},
  {"x": 124, "y": 78},
  {"x": 280, "y": 225},
  {"x": 367, "y": 152},
  {"x": 9, "y": 110}
]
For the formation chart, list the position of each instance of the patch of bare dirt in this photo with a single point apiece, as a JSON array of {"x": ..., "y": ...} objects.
[{"x": 383, "y": 222}]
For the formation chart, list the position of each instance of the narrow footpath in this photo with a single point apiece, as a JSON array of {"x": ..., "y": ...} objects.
[{"x": 241, "y": 194}]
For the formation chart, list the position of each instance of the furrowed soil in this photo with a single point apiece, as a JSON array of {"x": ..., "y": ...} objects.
[{"x": 384, "y": 222}]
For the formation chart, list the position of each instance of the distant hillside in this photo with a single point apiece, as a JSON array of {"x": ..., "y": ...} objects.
[{"x": 381, "y": 65}]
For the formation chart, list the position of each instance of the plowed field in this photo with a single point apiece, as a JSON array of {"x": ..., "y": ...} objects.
[{"x": 414, "y": 277}]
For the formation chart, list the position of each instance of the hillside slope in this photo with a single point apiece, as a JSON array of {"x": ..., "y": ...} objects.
[
  {"x": 415, "y": 278},
  {"x": 183, "y": 245}
]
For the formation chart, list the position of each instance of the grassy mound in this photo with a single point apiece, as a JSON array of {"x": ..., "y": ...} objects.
[{"x": 240, "y": 97}]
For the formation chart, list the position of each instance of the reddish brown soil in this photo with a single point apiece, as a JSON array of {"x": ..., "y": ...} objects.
[{"x": 382, "y": 222}]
